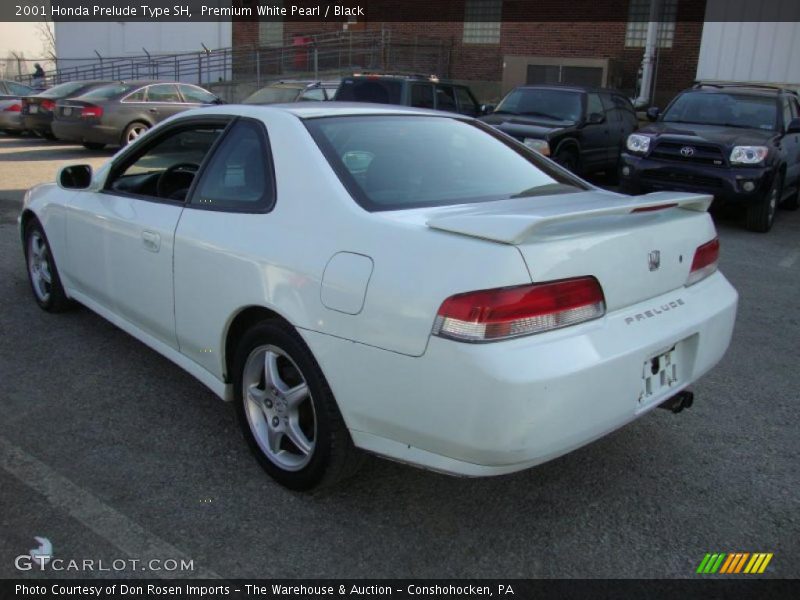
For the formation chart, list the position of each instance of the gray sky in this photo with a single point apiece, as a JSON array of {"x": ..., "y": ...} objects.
[{"x": 23, "y": 38}]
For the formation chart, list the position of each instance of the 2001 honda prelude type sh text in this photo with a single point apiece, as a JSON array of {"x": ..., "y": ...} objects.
[{"x": 401, "y": 281}]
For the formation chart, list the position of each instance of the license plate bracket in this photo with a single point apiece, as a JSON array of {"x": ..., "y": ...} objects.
[{"x": 661, "y": 373}]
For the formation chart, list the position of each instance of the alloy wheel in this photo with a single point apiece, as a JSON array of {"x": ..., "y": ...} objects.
[
  {"x": 39, "y": 266},
  {"x": 279, "y": 408}
]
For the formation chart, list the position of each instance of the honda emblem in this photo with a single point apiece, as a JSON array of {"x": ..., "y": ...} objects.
[{"x": 654, "y": 260}]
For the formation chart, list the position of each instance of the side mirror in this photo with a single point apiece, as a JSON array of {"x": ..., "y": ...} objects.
[
  {"x": 652, "y": 113},
  {"x": 487, "y": 109},
  {"x": 75, "y": 177},
  {"x": 794, "y": 126},
  {"x": 596, "y": 119}
]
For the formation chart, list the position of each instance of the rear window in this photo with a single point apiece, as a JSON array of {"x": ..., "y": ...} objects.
[
  {"x": 273, "y": 95},
  {"x": 379, "y": 91},
  {"x": 62, "y": 89},
  {"x": 108, "y": 91},
  {"x": 399, "y": 162}
]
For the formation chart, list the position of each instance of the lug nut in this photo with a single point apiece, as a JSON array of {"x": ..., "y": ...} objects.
[
  {"x": 275, "y": 421},
  {"x": 269, "y": 403}
]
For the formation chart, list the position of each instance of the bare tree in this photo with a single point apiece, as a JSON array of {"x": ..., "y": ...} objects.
[{"x": 46, "y": 33}]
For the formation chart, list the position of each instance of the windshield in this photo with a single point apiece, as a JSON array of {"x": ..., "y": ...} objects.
[
  {"x": 62, "y": 89},
  {"x": 731, "y": 110},
  {"x": 108, "y": 91},
  {"x": 273, "y": 95},
  {"x": 399, "y": 162},
  {"x": 560, "y": 105},
  {"x": 360, "y": 89}
]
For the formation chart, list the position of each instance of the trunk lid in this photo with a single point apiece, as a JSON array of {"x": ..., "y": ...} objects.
[{"x": 634, "y": 255}]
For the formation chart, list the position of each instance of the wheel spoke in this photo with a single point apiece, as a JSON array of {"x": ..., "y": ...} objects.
[
  {"x": 295, "y": 396},
  {"x": 271, "y": 376},
  {"x": 274, "y": 437},
  {"x": 257, "y": 396},
  {"x": 297, "y": 437},
  {"x": 44, "y": 271}
]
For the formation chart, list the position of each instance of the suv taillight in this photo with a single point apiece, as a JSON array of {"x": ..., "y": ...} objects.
[
  {"x": 503, "y": 313},
  {"x": 706, "y": 259},
  {"x": 92, "y": 111},
  {"x": 47, "y": 105}
]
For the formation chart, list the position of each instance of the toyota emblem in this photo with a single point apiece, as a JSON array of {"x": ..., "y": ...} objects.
[{"x": 687, "y": 151}]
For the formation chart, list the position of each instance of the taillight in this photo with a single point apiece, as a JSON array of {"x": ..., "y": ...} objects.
[
  {"x": 92, "y": 111},
  {"x": 47, "y": 105},
  {"x": 13, "y": 108},
  {"x": 706, "y": 259},
  {"x": 502, "y": 313}
]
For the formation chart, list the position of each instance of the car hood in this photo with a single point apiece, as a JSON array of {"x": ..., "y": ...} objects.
[
  {"x": 713, "y": 134},
  {"x": 524, "y": 126}
]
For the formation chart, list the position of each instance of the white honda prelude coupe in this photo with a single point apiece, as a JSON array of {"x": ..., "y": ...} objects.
[{"x": 406, "y": 282}]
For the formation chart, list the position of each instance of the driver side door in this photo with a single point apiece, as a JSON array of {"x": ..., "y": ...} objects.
[{"x": 120, "y": 240}]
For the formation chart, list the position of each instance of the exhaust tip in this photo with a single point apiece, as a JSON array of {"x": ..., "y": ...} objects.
[{"x": 678, "y": 402}]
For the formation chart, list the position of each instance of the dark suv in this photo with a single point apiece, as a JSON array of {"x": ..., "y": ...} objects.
[
  {"x": 408, "y": 90},
  {"x": 583, "y": 129},
  {"x": 738, "y": 142}
]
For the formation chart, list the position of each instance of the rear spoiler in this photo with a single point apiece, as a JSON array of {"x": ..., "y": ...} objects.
[{"x": 518, "y": 220}]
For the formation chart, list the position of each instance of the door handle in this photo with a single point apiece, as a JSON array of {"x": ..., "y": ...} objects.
[
  {"x": 151, "y": 241},
  {"x": 152, "y": 110}
]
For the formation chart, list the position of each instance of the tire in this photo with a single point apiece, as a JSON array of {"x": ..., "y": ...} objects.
[
  {"x": 48, "y": 135},
  {"x": 568, "y": 158},
  {"x": 323, "y": 453},
  {"x": 761, "y": 215},
  {"x": 133, "y": 131},
  {"x": 42, "y": 272},
  {"x": 13, "y": 132},
  {"x": 93, "y": 145}
]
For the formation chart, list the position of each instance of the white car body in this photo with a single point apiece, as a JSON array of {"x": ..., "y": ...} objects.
[{"x": 363, "y": 289}]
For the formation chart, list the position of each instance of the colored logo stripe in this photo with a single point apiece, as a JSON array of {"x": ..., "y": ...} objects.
[{"x": 735, "y": 562}]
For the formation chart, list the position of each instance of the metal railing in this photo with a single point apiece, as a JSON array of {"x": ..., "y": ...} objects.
[{"x": 307, "y": 55}]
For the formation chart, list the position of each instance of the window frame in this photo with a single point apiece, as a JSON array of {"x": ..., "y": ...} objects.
[
  {"x": 269, "y": 172},
  {"x": 637, "y": 23},
  {"x": 131, "y": 154},
  {"x": 477, "y": 31}
]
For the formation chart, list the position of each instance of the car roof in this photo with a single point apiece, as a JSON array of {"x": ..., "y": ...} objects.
[
  {"x": 568, "y": 88},
  {"x": 300, "y": 83},
  {"x": 416, "y": 77},
  {"x": 751, "y": 89},
  {"x": 314, "y": 110}
]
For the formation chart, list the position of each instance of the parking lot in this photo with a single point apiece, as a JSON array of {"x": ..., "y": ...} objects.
[{"x": 112, "y": 452}]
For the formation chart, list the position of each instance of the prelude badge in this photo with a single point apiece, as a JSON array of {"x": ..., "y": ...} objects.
[{"x": 654, "y": 260}]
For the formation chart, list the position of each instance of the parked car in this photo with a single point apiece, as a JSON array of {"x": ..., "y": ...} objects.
[
  {"x": 12, "y": 89},
  {"x": 118, "y": 113},
  {"x": 738, "y": 142},
  {"x": 293, "y": 91},
  {"x": 37, "y": 110},
  {"x": 419, "y": 91},
  {"x": 435, "y": 293},
  {"x": 582, "y": 128},
  {"x": 11, "y": 117}
]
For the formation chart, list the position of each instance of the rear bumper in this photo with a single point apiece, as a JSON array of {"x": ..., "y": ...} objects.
[
  {"x": 38, "y": 122},
  {"x": 80, "y": 131},
  {"x": 640, "y": 175},
  {"x": 489, "y": 409},
  {"x": 11, "y": 121}
]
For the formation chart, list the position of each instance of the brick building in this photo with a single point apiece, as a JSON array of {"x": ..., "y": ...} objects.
[{"x": 495, "y": 44}]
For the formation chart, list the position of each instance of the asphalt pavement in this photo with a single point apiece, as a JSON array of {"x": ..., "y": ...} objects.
[{"x": 112, "y": 453}]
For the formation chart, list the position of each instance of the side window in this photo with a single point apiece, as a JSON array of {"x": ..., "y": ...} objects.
[
  {"x": 197, "y": 95},
  {"x": 795, "y": 107},
  {"x": 612, "y": 111},
  {"x": 3, "y": 88},
  {"x": 314, "y": 94},
  {"x": 239, "y": 176},
  {"x": 594, "y": 105},
  {"x": 163, "y": 92},
  {"x": 466, "y": 103},
  {"x": 137, "y": 96},
  {"x": 422, "y": 95},
  {"x": 166, "y": 168},
  {"x": 445, "y": 98},
  {"x": 787, "y": 113}
]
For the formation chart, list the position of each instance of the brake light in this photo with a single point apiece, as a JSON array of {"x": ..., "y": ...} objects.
[
  {"x": 13, "y": 108},
  {"x": 706, "y": 259},
  {"x": 92, "y": 111},
  {"x": 503, "y": 313},
  {"x": 47, "y": 105}
]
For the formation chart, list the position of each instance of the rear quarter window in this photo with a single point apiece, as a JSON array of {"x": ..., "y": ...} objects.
[{"x": 378, "y": 91}]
